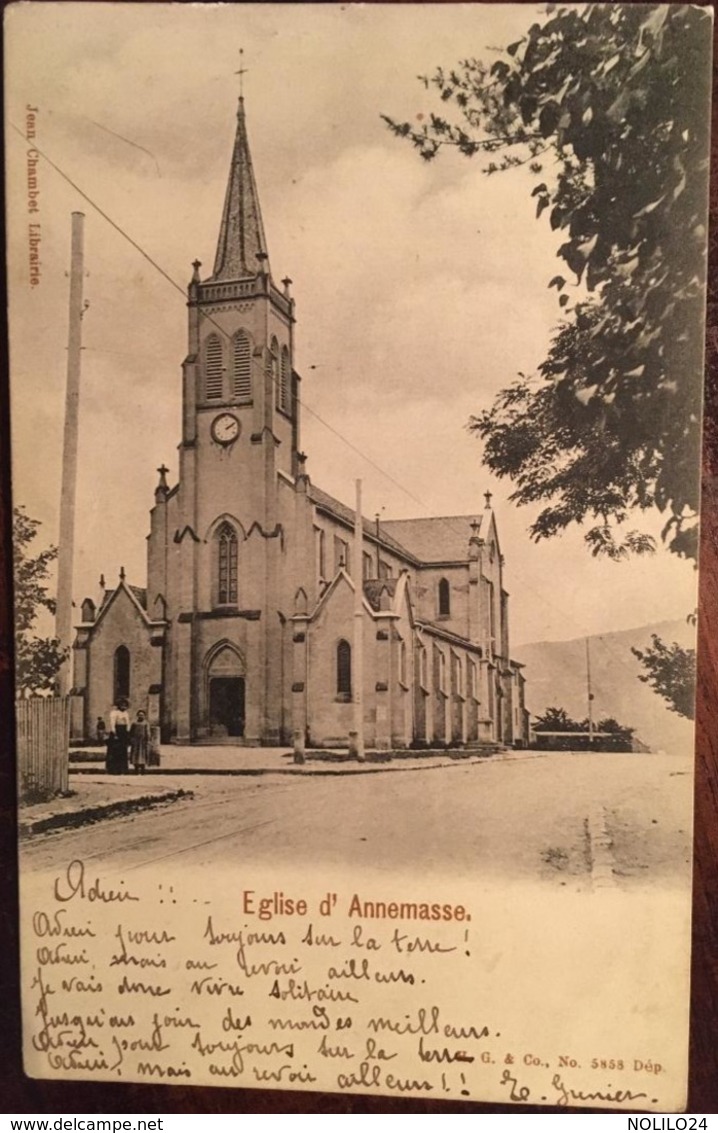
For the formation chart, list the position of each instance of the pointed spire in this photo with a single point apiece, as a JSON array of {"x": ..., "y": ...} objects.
[{"x": 242, "y": 245}]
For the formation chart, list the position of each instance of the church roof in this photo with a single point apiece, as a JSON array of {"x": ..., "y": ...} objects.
[
  {"x": 436, "y": 540},
  {"x": 346, "y": 514},
  {"x": 449, "y": 635},
  {"x": 139, "y": 592},
  {"x": 241, "y": 234}
]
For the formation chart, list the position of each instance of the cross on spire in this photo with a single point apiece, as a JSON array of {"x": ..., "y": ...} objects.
[
  {"x": 241, "y": 72},
  {"x": 162, "y": 488},
  {"x": 487, "y": 497}
]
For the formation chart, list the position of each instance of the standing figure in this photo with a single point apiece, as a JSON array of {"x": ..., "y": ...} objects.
[
  {"x": 118, "y": 739},
  {"x": 140, "y": 743},
  {"x": 101, "y": 731}
]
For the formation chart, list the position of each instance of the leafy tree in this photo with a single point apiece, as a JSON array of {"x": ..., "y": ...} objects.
[
  {"x": 610, "y": 724},
  {"x": 670, "y": 671},
  {"x": 556, "y": 720},
  {"x": 37, "y": 659},
  {"x": 607, "y": 105}
]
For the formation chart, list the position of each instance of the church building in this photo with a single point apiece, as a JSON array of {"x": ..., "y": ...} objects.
[{"x": 244, "y": 632}]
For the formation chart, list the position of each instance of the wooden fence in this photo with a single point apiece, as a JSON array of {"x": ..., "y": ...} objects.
[{"x": 43, "y": 737}]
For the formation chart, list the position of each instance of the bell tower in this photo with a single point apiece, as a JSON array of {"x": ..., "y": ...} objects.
[
  {"x": 238, "y": 454},
  {"x": 240, "y": 404}
]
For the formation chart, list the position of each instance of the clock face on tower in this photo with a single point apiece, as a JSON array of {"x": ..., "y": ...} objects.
[{"x": 225, "y": 429}]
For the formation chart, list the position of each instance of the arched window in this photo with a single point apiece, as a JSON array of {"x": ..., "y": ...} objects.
[
  {"x": 274, "y": 371},
  {"x": 226, "y": 565},
  {"x": 444, "y": 598},
  {"x": 285, "y": 385},
  {"x": 492, "y": 610},
  {"x": 121, "y": 673},
  {"x": 241, "y": 367},
  {"x": 344, "y": 669},
  {"x": 213, "y": 383},
  {"x": 321, "y": 554}
]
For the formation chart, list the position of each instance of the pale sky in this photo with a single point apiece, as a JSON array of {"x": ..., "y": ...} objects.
[{"x": 421, "y": 289}]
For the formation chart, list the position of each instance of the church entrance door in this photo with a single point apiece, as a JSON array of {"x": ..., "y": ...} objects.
[{"x": 226, "y": 706}]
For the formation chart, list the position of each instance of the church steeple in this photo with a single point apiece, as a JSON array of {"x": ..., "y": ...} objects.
[{"x": 242, "y": 245}]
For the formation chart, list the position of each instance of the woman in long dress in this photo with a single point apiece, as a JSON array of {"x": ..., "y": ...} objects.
[
  {"x": 118, "y": 739},
  {"x": 140, "y": 743}
]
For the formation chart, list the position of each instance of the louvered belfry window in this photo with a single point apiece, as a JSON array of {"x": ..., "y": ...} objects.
[
  {"x": 241, "y": 367},
  {"x": 213, "y": 368},
  {"x": 227, "y": 565},
  {"x": 285, "y": 383},
  {"x": 274, "y": 370}
]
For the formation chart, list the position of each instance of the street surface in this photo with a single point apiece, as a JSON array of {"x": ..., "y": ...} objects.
[{"x": 520, "y": 817}]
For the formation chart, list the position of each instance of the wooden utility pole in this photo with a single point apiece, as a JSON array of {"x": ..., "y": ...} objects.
[
  {"x": 66, "y": 543},
  {"x": 589, "y": 694},
  {"x": 358, "y": 650}
]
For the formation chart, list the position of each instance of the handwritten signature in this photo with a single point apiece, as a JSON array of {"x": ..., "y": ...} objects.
[{"x": 566, "y": 1095}]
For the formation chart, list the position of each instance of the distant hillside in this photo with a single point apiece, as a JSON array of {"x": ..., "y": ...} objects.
[{"x": 556, "y": 675}]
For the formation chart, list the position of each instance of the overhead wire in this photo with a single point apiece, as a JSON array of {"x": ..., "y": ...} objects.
[{"x": 445, "y": 521}]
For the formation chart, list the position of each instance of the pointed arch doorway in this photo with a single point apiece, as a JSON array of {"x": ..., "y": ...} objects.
[{"x": 226, "y": 693}]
